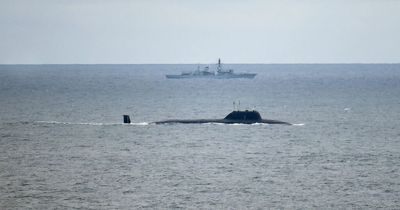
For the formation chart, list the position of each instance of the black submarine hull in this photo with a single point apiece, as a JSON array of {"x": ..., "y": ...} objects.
[
  {"x": 224, "y": 121},
  {"x": 235, "y": 117}
]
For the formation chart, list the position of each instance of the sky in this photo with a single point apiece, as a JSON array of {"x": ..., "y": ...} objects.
[{"x": 199, "y": 31}]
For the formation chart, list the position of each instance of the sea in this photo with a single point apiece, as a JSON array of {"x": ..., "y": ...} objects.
[{"x": 63, "y": 144}]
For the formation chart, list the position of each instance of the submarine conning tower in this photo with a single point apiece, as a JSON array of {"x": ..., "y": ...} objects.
[
  {"x": 127, "y": 119},
  {"x": 246, "y": 115}
]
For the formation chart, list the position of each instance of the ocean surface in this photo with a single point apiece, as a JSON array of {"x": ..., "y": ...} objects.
[{"x": 63, "y": 144}]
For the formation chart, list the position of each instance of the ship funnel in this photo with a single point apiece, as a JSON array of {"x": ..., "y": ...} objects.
[{"x": 127, "y": 119}]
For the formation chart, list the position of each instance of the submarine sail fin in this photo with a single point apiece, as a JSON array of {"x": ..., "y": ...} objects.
[{"x": 127, "y": 119}]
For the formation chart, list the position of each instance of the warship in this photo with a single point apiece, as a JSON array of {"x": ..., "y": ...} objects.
[{"x": 206, "y": 73}]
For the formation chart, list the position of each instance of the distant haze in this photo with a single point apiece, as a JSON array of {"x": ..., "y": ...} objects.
[{"x": 188, "y": 31}]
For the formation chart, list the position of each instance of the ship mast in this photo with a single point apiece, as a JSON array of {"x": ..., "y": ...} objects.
[{"x": 219, "y": 68}]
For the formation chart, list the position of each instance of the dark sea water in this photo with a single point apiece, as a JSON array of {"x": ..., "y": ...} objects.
[{"x": 63, "y": 144}]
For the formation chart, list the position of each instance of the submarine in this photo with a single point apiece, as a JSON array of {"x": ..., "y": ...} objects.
[{"x": 235, "y": 117}]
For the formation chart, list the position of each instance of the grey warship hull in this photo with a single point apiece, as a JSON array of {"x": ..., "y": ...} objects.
[{"x": 231, "y": 76}]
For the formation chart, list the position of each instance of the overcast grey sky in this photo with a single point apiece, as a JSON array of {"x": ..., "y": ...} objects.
[{"x": 189, "y": 31}]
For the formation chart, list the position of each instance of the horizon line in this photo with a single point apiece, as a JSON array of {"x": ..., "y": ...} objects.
[{"x": 347, "y": 63}]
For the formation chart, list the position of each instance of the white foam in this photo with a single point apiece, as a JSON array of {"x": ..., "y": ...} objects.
[
  {"x": 299, "y": 124},
  {"x": 213, "y": 123},
  {"x": 235, "y": 124},
  {"x": 140, "y": 123}
]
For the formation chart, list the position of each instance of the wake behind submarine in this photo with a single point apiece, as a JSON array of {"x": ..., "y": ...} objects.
[{"x": 235, "y": 117}]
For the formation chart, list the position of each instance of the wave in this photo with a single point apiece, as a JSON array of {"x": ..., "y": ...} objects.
[
  {"x": 147, "y": 123},
  {"x": 234, "y": 124},
  {"x": 89, "y": 123}
]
